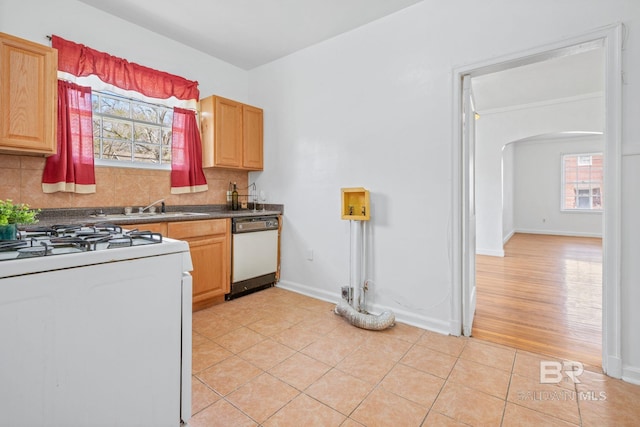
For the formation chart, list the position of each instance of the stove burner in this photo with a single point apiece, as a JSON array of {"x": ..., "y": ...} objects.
[
  {"x": 107, "y": 227},
  {"x": 10, "y": 245},
  {"x": 146, "y": 235},
  {"x": 32, "y": 231},
  {"x": 61, "y": 230},
  {"x": 120, "y": 242},
  {"x": 32, "y": 251},
  {"x": 37, "y": 241},
  {"x": 69, "y": 242}
]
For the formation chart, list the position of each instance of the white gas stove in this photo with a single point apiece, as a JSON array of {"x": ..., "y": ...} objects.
[{"x": 96, "y": 326}]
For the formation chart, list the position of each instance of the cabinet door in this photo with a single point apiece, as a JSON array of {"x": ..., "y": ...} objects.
[
  {"x": 232, "y": 134},
  {"x": 210, "y": 269},
  {"x": 252, "y": 131},
  {"x": 28, "y": 96},
  {"x": 227, "y": 133},
  {"x": 209, "y": 243}
]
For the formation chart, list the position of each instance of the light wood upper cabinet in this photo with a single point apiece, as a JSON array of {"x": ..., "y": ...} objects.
[
  {"x": 232, "y": 134},
  {"x": 252, "y": 148},
  {"x": 28, "y": 96}
]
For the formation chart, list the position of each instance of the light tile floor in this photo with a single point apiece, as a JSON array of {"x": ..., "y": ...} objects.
[{"x": 277, "y": 358}]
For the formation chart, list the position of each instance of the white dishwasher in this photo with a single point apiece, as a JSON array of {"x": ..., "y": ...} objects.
[{"x": 254, "y": 260}]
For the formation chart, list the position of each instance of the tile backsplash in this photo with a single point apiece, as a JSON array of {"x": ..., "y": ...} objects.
[{"x": 21, "y": 177}]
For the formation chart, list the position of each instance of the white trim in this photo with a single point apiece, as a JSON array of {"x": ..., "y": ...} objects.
[
  {"x": 490, "y": 252},
  {"x": 558, "y": 233},
  {"x": 631, "y": 375},
  {"x": 631, "y": 149},
  {"x": 566, "y": 135},
  {"x": 106, "y": 163},
  {"x": 409, "y": 318},
  {"x": 540, "y": 104},
  {"x": 456, "y": 248},
  {"x": 508, "y": 237},
  {"x": 96, "y": 84},
  {"x": 610, "y": 38},
  {"x": 188, "y": 189},
  {"x": 611, "y": 302},
  {"x": 68, "y": 187}
]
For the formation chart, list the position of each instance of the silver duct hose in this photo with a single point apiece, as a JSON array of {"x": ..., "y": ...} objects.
[
  {"x": 365, "y": 321},
  {"x": 356, "y": 314}
]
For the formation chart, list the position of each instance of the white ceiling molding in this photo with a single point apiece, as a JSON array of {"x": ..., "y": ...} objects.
[{"x": 545, "y": 103}]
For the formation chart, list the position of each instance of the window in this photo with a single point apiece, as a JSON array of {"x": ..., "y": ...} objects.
[
  {"x": 582, "y": 182},
  {"x": 130, "y": 132}
]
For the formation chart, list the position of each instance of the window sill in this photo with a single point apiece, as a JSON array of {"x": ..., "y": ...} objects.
[
  {"x": 582, "y": 211},
  {"x": 116, "y": 164}
]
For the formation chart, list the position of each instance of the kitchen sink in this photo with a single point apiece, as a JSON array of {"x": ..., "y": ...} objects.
[{"x": 155, "y": 216}]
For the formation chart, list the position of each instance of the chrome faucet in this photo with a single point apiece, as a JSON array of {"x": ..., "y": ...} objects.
[{"x": 163, "y": 209}]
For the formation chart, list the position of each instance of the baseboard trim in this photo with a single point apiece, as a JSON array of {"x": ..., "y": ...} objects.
[
  {"x": 508, "y": 237},
  {"x": 558, "y": 233},
  {"x": 631, "y": 375},
  {"x": 402, "y": 316},
  {"x": 490, "y": 252}
]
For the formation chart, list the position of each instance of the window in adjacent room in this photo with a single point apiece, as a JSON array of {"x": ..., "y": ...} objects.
[
  {"x": 131, "y": 132},
  {"x": 582, "y": 182}
]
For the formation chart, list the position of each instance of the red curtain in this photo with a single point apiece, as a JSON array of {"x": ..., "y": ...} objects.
[
  {"x": 71, "y": 169},
  {"x": 81, "y": 61},
  {"x": 186, "y": 154},
  {"x": 186, "y": 165}
]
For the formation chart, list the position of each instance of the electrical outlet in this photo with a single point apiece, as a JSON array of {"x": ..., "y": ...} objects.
[
  {"x": 347, "y": 293},
  {"x": 229, "y": 196}
]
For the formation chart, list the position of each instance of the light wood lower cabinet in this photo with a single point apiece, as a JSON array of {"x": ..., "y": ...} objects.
[{"x": 210, "y": 245}]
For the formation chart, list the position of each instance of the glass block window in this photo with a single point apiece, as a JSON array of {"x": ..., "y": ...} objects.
[{"x": 130, "y": 132}]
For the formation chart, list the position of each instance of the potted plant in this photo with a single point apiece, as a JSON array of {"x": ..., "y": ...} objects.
[{"x": 13, "y": 214}]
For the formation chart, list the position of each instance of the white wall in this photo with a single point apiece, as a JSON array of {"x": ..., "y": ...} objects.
[
  {"x": 495, "y": 129},
  {"x": 508, "y": 183},
  {"x": 538, "y": 184},
  {"x": 72, "y": 20},
  {"x": 373, "y": 108}
]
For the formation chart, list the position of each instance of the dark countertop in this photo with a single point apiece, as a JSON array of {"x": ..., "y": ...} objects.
[{"x": 89, "y": 216}]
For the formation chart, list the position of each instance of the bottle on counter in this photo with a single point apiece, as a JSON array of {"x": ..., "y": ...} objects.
[
  {"x": 229, "y": 190},
  {"x": 234, "y": 198}
]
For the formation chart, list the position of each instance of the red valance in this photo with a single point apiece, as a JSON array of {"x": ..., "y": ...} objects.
[{"x": 81, "y": 61}]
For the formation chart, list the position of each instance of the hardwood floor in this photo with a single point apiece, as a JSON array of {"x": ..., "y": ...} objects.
[{"x": 544, "y": 296}]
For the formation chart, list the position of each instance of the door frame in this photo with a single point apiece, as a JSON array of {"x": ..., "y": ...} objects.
[
  {"x": 610, "y": 39},
  {"x": 468, "y": 206}
]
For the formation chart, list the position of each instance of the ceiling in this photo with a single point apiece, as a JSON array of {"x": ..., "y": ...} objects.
[
  {"x": 250, "y": 33},
  {"x": 574, "y": 75}
]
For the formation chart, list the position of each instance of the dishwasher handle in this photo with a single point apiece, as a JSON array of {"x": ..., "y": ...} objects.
[{"x": 249, "y": 225}]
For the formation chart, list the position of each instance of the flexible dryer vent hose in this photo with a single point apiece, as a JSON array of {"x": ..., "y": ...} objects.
[{"x": 365, "y": 321}]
